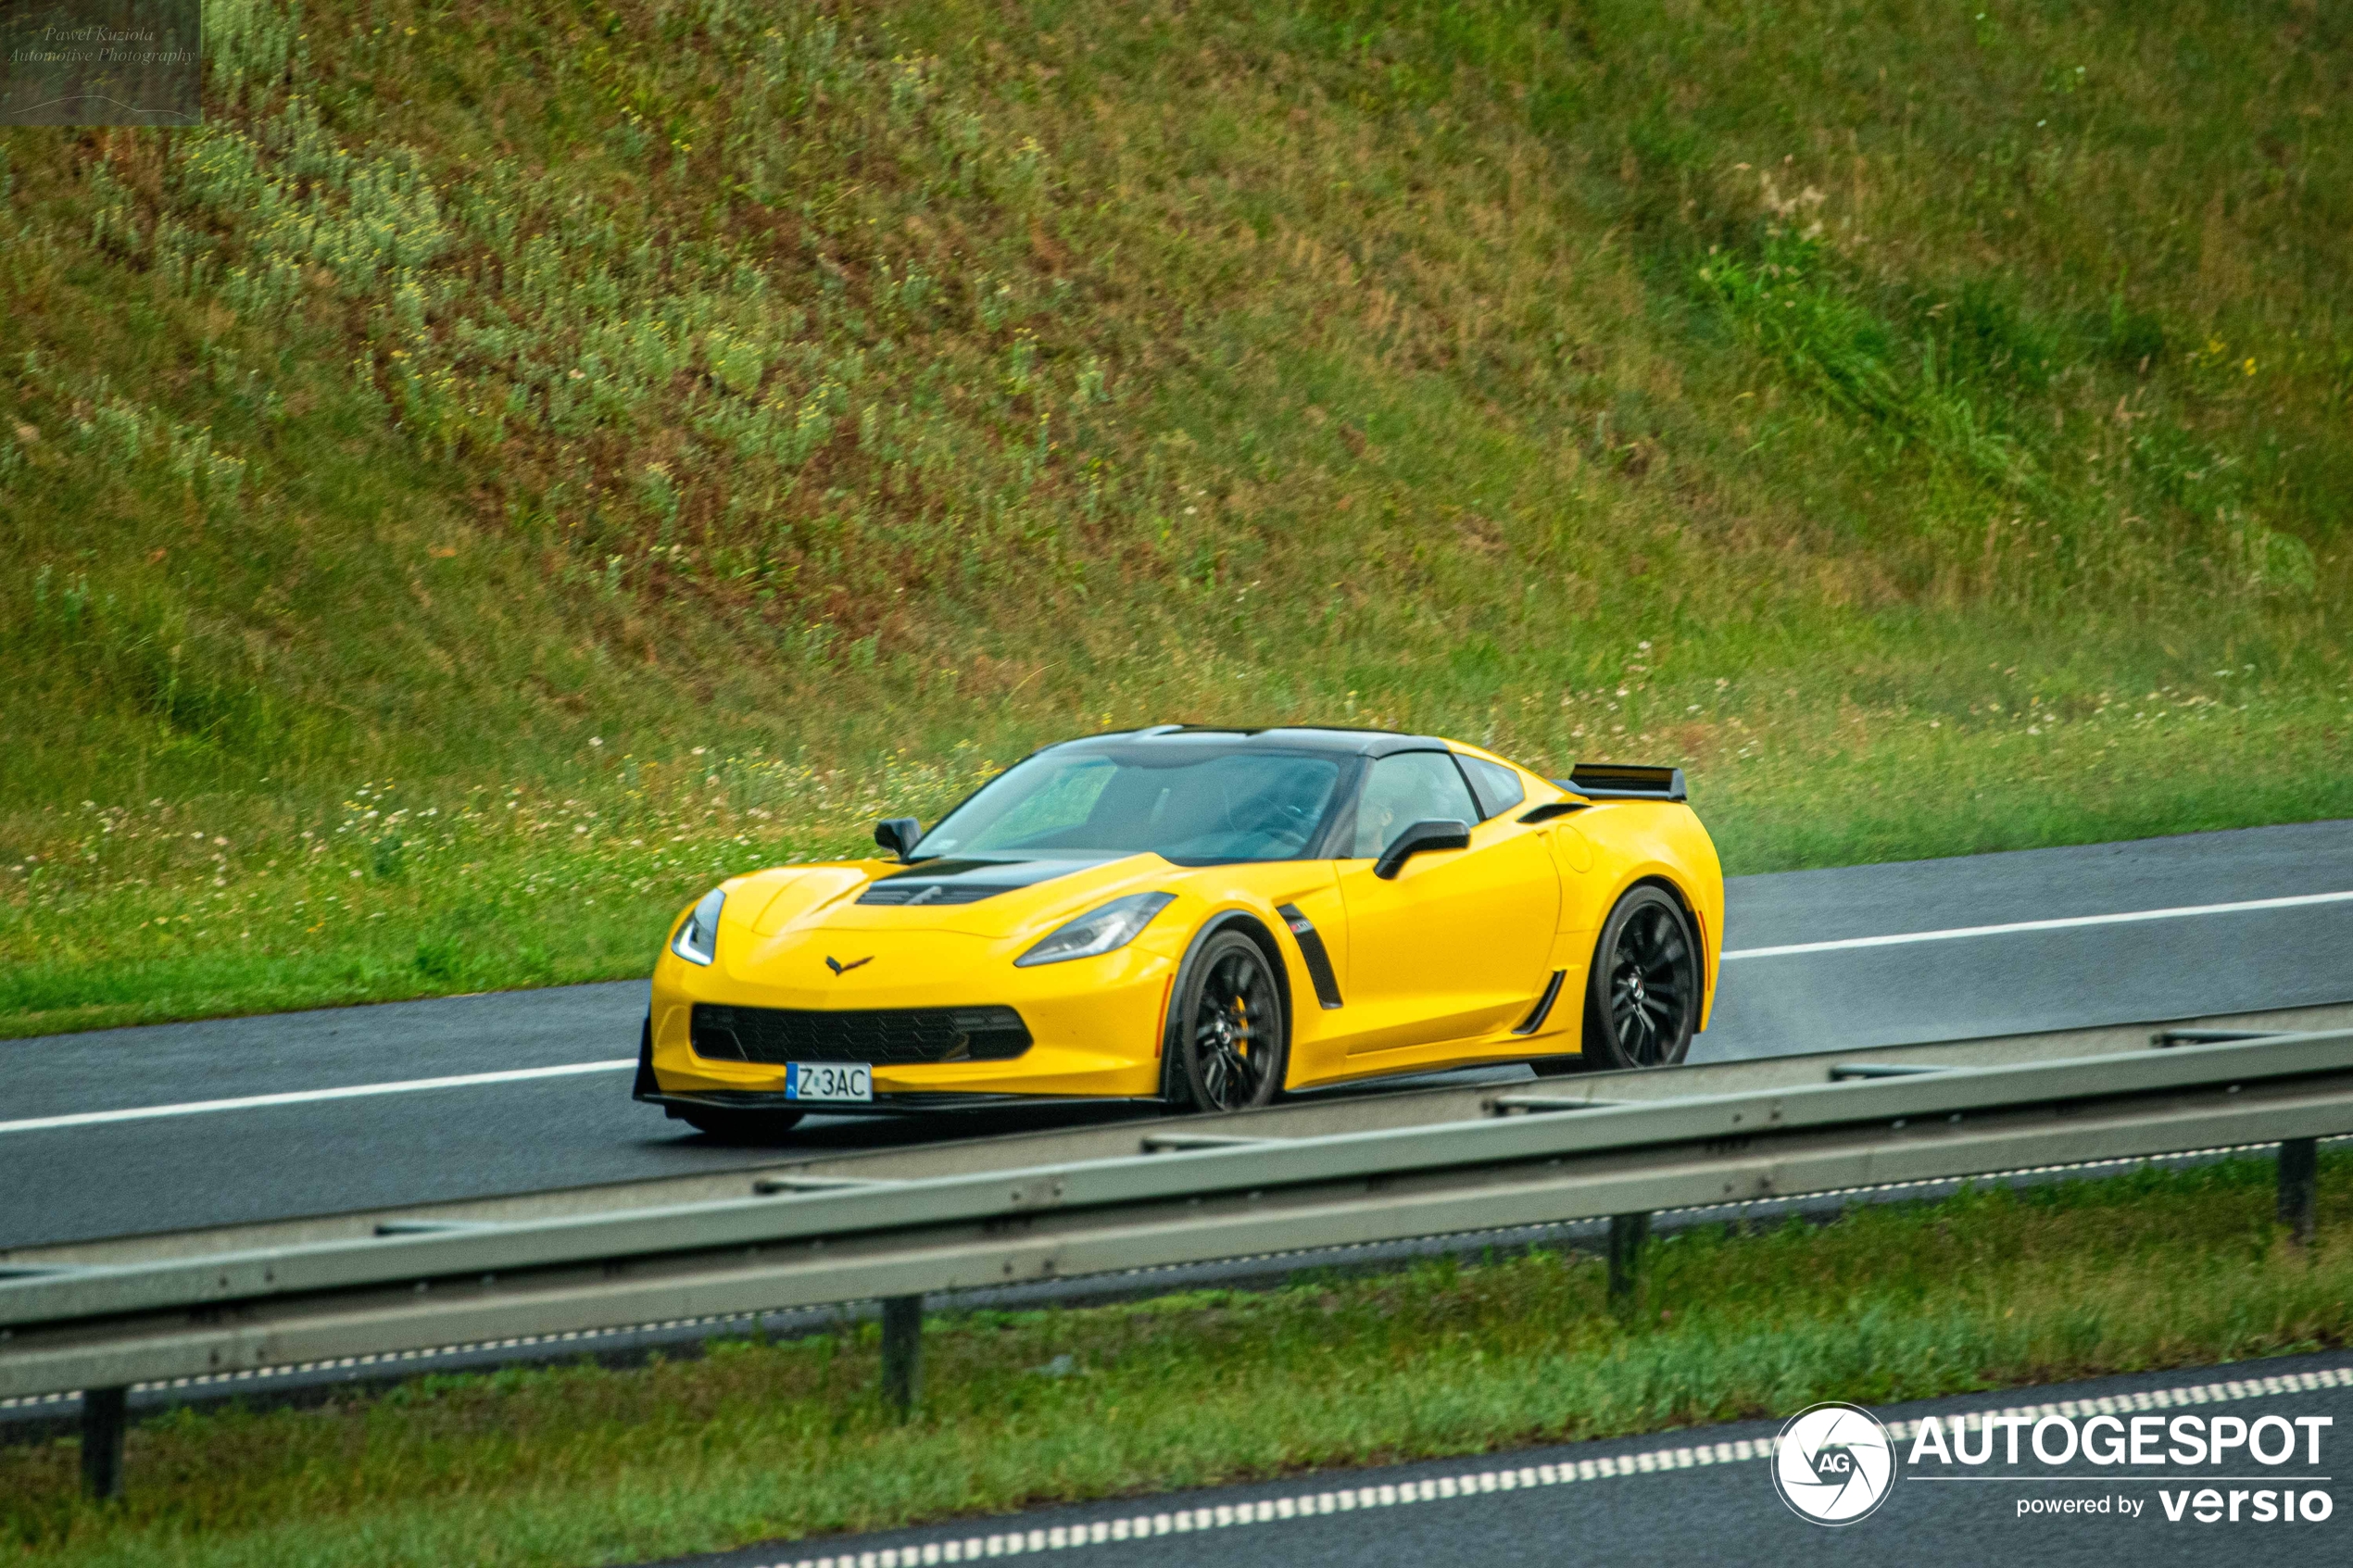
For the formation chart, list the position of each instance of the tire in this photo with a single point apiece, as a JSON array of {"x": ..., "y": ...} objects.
[
  {"x": 1642, "y": 995},
  {"x": 739, "y": 1126},
  {"x": 1227, "y": 1044}
]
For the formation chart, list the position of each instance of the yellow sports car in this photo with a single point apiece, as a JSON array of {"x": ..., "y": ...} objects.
[{"x": 1202, "y": 918}]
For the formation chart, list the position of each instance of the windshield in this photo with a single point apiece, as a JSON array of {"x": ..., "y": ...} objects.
[{"x": 1183, "y": 805}]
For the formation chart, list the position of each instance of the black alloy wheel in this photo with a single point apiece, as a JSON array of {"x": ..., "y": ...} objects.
[
  {"x": 1228, "y": 1035},
  {"x": 1642, "y": 1001}
]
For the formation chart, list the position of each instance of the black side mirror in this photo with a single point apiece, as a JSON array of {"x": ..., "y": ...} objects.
[
  {"x": 1438, "y": 833},
  {"x": 898, "y": 835}
]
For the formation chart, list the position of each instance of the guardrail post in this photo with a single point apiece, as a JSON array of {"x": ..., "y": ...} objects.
[
  {"x": 2300, "y": 1187},
  {"x": 103, "y": 1422},
  {"x": 1627, "y": 1234},
  {"x": 902, "y": 1349}
]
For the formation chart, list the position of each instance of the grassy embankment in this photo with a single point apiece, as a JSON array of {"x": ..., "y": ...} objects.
[
  {"x": 516, "y": 461},
  {"x": 585, "y": 1465}
]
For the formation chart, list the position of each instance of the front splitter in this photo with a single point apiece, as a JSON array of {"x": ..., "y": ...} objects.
[{"x": 925, "y": 1103}]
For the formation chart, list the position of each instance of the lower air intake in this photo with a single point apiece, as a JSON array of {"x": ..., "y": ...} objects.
[{"x": 881, "y": 1036}]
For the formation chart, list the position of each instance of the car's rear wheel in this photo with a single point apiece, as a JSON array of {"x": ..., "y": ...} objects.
[
  {"x": 1642, "y": 999},
  {"x": 1228, "y": 1040},
  {"x": 739, "y": 1126}
]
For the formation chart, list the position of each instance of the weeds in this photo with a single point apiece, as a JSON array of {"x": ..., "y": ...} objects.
[{"x": 823, "y": 387}]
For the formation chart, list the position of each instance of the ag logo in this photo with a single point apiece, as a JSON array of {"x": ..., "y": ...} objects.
[{"x": 1835, "y": 1464}]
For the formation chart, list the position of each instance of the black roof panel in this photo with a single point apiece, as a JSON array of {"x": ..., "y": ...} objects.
[{"x": 1273, "y": 737}]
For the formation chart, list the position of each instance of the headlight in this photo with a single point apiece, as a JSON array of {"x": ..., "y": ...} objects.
[
  {"x": 698, "y": 940},
  {"x": 1098, "y": 931}
]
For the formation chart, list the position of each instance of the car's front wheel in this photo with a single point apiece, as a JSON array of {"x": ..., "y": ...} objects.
[
  {"x": 1642, "y": 995},
  {"x": 1227, "y": 1032}
]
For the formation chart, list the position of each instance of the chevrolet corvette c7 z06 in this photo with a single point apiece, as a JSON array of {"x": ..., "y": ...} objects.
[{"x": 1205, "y": 917}]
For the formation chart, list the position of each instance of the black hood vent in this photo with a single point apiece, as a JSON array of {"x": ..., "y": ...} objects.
[{"x": 936, "y": 883}]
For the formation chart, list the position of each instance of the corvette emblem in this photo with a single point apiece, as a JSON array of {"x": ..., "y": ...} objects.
[{"x": 840, "y": 968}]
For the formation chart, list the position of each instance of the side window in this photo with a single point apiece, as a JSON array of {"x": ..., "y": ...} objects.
[
  {"x": 1499, "y": 788},
  {"x": 1413, "y": 786}
]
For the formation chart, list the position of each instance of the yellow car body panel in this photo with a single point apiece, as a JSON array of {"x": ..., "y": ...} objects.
[{"x": 1439, "y": 966}]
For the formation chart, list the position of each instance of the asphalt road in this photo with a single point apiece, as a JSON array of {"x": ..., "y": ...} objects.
[
  {"x": 1705, "y": 1496},
  {"x": 1883, "y": 955}
]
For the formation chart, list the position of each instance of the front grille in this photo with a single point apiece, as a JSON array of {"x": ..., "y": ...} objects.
[{"x": 883, "y": 1036}]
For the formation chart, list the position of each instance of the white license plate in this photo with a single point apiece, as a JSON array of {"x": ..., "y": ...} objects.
[{"x": 827, "y": 1080}]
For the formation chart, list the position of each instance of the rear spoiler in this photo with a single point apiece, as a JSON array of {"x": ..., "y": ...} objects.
[{"x": 1624, "y": 781}]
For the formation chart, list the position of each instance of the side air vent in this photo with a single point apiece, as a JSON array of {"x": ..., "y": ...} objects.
[
  {"x": 1535, "y": 1020},
  {"x": 1311, "y": 950}
]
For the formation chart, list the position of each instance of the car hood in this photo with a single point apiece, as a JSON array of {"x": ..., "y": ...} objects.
[{"x": 993, "y": 897}]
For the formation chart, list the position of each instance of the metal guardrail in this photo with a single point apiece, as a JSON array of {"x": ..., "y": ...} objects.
[
  {"x": 1379, "y": 1106},
  {"x": 1538, "y": 1158}
]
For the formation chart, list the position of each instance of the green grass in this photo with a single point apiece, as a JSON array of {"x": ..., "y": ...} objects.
[
  {"x": 1926, "y": 424},
  {"x": 1991, "y": 1289}
]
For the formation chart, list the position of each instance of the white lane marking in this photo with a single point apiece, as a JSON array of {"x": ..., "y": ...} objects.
[
  {"x": 1959, "y": 933},
  {"x": 1397, "y": 1494},
  {"x": 303, "y": 1097}
]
